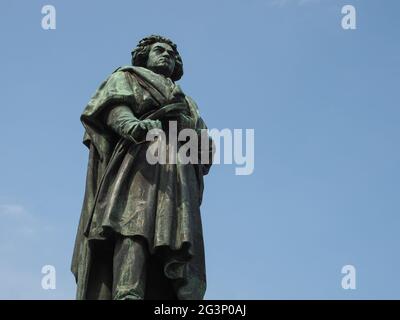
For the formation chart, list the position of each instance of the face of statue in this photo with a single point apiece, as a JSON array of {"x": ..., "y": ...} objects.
[{"x": 161, "y": 59}]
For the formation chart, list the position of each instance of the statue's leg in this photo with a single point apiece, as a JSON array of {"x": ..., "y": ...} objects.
[
  {"x": 158, "y": 286},
  {"x": 100, "y": 279},
  {"x": 130, "y": 263}
]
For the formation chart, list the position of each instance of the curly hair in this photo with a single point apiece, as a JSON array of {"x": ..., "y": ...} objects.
[{"x": 141, "y": 52}]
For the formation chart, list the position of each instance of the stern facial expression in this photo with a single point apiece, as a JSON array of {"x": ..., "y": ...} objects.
[{"x": 161, "y": 59}]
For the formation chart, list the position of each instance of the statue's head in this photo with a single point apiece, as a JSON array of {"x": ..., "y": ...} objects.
[{"x": 160, "y": 55}]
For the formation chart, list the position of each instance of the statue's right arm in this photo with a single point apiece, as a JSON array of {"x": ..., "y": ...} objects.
[{"x": 123, "y": 122}]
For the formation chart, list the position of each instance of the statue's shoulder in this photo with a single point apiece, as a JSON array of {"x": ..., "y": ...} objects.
[
  {"x": 136, "y": 73},
  {"x": 125, "y": 73},
  {"x": 125, "y": 68},
  {"x": 131, "y": 69},
  {"x": 116, "y": 75}
]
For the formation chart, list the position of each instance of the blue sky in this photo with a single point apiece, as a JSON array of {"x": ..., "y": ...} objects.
[{"x": 324, "y": 104}]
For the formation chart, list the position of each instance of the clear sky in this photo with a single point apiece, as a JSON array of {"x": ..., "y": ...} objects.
[{"x": 324, "y": 103}]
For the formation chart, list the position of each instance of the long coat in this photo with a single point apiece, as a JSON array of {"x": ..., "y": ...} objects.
[{"x": 127, "y": 195}]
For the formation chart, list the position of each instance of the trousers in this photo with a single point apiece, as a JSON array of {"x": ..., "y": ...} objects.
[{"x": 123, "y": 269}]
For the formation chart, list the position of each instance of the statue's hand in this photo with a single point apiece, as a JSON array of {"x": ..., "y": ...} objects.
[
  {"x": 140, "y": 131},
  {"x": 183, "y": 119},
  {"x": 149, "y": 124}
]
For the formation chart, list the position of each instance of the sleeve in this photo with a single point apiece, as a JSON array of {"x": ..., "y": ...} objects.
[
  {"x": 117, "y": 90},
  {"x": 123, "y": 122}
]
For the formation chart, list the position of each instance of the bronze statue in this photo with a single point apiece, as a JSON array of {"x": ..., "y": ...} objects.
[{"x": 140, "y": 233}]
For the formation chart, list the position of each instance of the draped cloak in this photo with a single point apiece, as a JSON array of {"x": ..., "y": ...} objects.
[{"x": 126, "y": 195}]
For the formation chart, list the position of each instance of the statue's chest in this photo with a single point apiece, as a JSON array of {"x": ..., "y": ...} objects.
[{"x": 148, "y": 101}]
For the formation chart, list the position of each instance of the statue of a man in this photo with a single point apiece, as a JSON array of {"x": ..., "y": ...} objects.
[{"x": 140, "y": 233}]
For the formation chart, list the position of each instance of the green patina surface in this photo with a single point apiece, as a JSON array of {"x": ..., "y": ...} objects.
[{"x": 140, "y": 233}]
